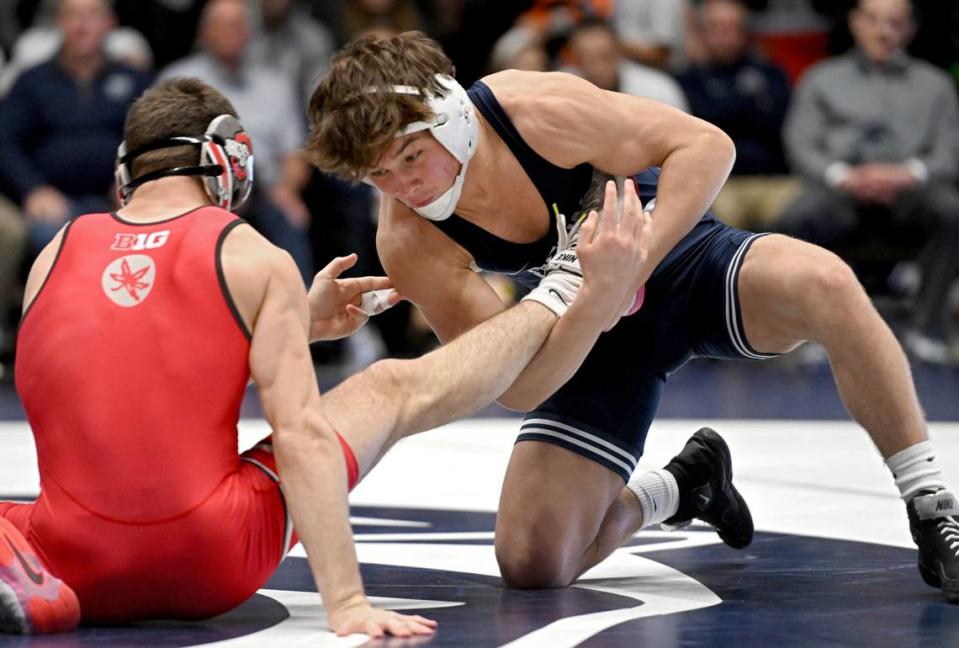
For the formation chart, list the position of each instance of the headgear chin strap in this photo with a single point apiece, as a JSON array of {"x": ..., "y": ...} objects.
[
  {"x": 454, "y": 125},
  {"x": 225, "y": 163}
]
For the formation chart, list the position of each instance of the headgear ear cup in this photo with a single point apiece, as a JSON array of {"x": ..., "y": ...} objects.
[
  {"x": 225, "y": 163},
  {"x": 455, "y": 127},
  {"x": 230, "y": 147}
]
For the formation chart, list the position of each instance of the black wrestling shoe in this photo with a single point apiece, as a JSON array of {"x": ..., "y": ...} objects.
[
  {"x": 936, "y": 532},
  {"x": 704, "y": 473}
]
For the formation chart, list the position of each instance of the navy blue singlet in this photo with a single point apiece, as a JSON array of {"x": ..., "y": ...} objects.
[{"x": 691, "y": 308}]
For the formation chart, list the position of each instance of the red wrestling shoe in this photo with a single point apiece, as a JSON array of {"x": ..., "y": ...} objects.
[{"x": 32, "y": 600}]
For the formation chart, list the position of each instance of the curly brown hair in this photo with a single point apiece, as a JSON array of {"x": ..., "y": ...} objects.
[
  {"x": 353, "y": 113},
  {"x": 181, "y": 106}
]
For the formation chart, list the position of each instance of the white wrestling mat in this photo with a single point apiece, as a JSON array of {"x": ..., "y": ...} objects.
[{"x": 830, "y": 527}]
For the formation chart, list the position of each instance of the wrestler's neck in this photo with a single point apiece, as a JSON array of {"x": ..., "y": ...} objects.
[{"x": 164, "y": 198}]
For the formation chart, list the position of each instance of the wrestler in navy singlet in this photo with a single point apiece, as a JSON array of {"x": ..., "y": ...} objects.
[{"x": 691, "y": 308}]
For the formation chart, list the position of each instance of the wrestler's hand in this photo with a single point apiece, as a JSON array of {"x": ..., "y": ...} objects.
[
  {"x": 613, "y": 249},
  {"x": 45, "y": 204},
  {"x": 363, "y": 617},
  {"x": 335, "y": 303}
]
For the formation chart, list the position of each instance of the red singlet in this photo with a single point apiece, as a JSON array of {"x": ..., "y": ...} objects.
[{"x": 132, "y": 364}]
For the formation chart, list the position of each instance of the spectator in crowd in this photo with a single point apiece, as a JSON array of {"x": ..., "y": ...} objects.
[
  {"x": 62, "y": 122},
  {"x": 875, "y": 133},
  {"x": 274, "y": 118},
  {"x": 595, "y": 54},
  {"x": 291, "y": 41},
  {"x": 41, "y": 42},
  {"x": 747, "y": 97},
  {"x": 654, "y": 32},
  {"x": 520, "y": 48},
  {"x": 557, "y": 18},
  {"x": 469, "y": 29},
  {"x": 13, "y": 237},
  {"x": 168, "y": 25},
  {"x": 444, "y": 18},
  {"x": 359, "y": 16}
]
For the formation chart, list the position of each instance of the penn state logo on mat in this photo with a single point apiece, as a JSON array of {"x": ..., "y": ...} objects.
[
  {"x": 128, "y": 280},
  {"x": 662, "y": 589}
]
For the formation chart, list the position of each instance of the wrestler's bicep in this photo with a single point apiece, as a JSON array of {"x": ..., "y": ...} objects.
[{"x": 280, "y": 361}]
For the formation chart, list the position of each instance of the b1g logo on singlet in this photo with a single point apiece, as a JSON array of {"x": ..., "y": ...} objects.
[
  {"x": 127, "y": 281},
  {"x": 134, "y": 242}
]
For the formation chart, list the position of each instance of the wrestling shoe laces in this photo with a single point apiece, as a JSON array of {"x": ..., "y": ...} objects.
[
  {"x": 562, "y": 275},
  {"x": 704, "y": 474},
  {"x": 32, "y": 600},
  {"x": 935, "y": 531},
  {"x": 564, "y": 258}
]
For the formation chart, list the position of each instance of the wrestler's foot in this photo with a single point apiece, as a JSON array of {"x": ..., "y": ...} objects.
[
  {"x": 936, "y": 532},
  {"x": 704, "y": 473},
  {"x": 32, "y": 600}
]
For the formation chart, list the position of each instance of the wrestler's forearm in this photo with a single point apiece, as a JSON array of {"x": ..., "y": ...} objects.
[
  {"x": 472, "y": 370},
  {"x": 313, "y": 474},
  {"x": 568, "y": 344},
  {"x": 691, "y": 178}
]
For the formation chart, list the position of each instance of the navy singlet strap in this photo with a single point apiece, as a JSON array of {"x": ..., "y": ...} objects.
[{"x": 555, "y": 184}]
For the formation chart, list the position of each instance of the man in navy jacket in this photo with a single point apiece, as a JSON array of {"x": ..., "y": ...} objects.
[{"x": 62, "y": 122}]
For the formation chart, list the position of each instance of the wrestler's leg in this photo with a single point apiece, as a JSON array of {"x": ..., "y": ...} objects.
[
  {"x": 559, "y": 513},
  {"x": 792, "y": 291},
  {"x": 18, "y": 513},
  {"x": 393, "y": 399},
  {"x": 564, "y": 506}
]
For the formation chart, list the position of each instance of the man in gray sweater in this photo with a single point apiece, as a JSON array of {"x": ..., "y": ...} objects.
[{"x": 875, "y": 134}]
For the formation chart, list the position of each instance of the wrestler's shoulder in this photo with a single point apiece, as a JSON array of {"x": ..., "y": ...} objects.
[
  {"x": 535, "y": 100},
  {"x": 529, "y": 84},
  {"x": 244, "y": 247}
]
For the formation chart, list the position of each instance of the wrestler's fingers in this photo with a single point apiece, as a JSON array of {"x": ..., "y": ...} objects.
[
  {"x": 355, "y": 285},
  {"x": 609, "y": 205},
  {"x": 403, "y": 626},
  {"x": 631, "y": 202},
  {"x": 641, "y": 219},
  {"x": 336, "y": 267},
  {"x": 589, "y": 227}
]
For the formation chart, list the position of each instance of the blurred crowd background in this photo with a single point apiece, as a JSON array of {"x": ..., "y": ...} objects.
[{"x": 844, "y": 116}]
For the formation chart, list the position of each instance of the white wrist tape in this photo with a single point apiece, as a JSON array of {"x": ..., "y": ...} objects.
[{"x": 374, "y": 302}]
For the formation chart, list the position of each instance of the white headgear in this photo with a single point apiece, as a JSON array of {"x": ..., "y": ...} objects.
[{"x": 454, "y": 125}]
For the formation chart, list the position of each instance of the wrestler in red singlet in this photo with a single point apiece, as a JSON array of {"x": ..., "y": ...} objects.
[{"x": 132, "y": 365}]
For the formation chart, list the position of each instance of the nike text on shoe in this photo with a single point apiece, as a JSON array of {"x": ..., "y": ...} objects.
[
  {"x": 32, "y": 600},
  {"x": 562, "y": 276},
  {"x": 704, "y": 473},
  {"x": 936, "y": 532}
]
